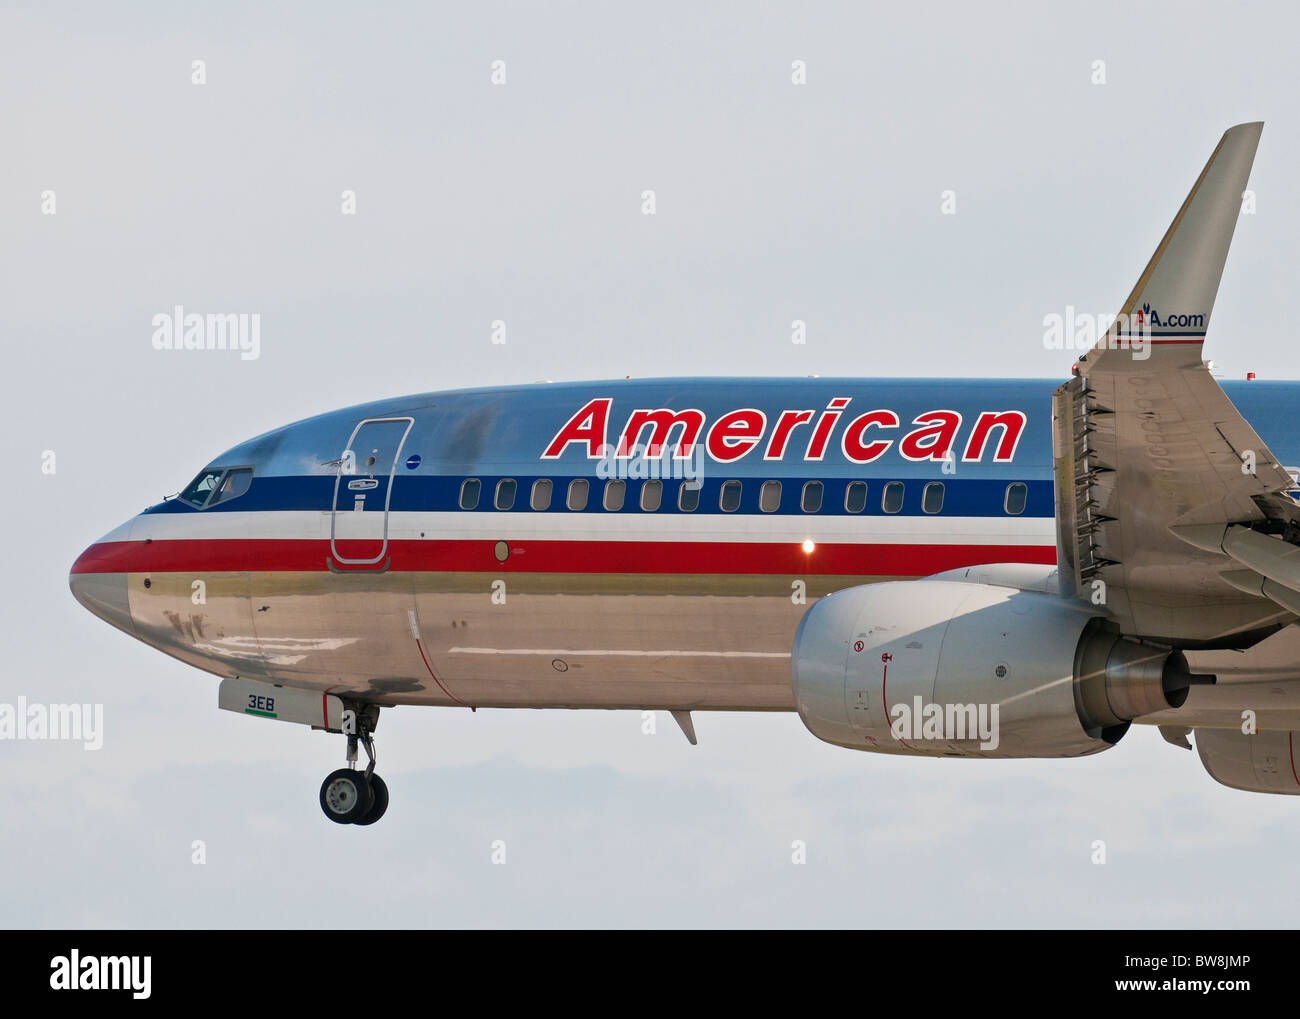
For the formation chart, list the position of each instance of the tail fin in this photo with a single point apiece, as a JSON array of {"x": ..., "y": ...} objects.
[{"x": 1168, "y": 312}]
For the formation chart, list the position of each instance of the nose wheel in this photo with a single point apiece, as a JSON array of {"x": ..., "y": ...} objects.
[
  {"x": 351, "y": 795},
  {"x": 346, "y": 796},
  {"x": 378, "y": 802}
]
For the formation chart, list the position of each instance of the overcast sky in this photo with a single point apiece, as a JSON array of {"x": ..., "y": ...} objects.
[{"x": 522, "y": 202}]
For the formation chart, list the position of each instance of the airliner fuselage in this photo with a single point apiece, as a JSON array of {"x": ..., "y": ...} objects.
[{"x": 521, "y": 547}]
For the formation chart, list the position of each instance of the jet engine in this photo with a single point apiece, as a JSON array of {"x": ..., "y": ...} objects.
[{"x": 940, "y": 668}]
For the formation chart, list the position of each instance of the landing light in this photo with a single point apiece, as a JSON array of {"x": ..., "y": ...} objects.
[{"x": 808, "y": 545}]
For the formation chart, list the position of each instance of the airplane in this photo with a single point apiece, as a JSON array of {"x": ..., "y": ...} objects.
[{"x": 963, "y": 568}]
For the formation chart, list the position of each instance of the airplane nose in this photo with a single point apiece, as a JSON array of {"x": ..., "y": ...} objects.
[{"x": 104, "y": 594}]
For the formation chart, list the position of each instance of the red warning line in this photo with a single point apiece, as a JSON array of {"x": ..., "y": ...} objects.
[
  {"x": 884, "y": 697},
  {"x": 884, "y": 688},
  {"x": 435, "y": 678}
]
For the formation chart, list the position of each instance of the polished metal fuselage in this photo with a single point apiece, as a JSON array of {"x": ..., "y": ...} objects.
[{"x": 519, "y": 608}]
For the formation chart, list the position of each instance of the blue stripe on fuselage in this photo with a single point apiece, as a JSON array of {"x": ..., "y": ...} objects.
[
  {"x": 963, "y": 497},
  {"x": 502, "y": 432}
]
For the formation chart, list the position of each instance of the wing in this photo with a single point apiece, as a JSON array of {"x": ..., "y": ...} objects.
[{"x": 1154, "y": 465}]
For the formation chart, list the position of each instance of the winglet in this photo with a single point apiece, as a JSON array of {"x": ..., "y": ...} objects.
[{"x": 1167, "y": 314}]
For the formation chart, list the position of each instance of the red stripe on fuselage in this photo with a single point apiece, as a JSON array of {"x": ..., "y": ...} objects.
[{"x": 277, "y": 555}]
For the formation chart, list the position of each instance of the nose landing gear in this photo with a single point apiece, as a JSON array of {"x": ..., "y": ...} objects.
[{"x": 350, "y": 796}]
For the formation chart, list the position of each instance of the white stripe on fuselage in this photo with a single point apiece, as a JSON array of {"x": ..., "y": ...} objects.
[
  {"x": 667, "y": 527},
  {"x": 570, "y": 653}
]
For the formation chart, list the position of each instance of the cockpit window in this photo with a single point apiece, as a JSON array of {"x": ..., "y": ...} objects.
[
  {"x": 233, "y": 485},
  {"x": 200, "y": 489},
  {"x": 218, "y": 485}
]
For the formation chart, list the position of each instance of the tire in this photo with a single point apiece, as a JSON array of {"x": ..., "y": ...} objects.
[
  {"x": 345, "y": 796},
  {"x": 380, "y": 788}
]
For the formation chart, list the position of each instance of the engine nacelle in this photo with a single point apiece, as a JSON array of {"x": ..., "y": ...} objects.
[
  {"x": 1268, "y": 762},
  {"x": 939, "y": 668}
]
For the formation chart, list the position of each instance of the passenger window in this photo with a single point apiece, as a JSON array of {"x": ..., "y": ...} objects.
[
  {"x": 811, "y": 501},
  {"x": 541, "y": 497},
  {"x": 932, "y": 497},
  {"x": 688, "y": 496},
  {"x": 769, "y": 496},
  {"x": 578, "y": 488},
  {"x": 200, "y": 489},
  {"x": 505, "y": 498},
  {"x": 892, "y": 500},
  {"x": 729, "y": 499},
  {"x": 233, "y": 485},
  {"x": 855, "y": 497},
  {"x": 652, "y": 495},
  {"x": 469, "y": 492},
  {"x": 1017, "y": 495},
  {"x": 615, "y": 493}
]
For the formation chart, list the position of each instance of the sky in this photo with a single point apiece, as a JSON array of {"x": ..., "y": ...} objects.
[{"x": 946, "y": 177}]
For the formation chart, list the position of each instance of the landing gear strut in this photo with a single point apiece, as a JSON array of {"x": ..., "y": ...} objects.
[{"x": 351, "y": 796}]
